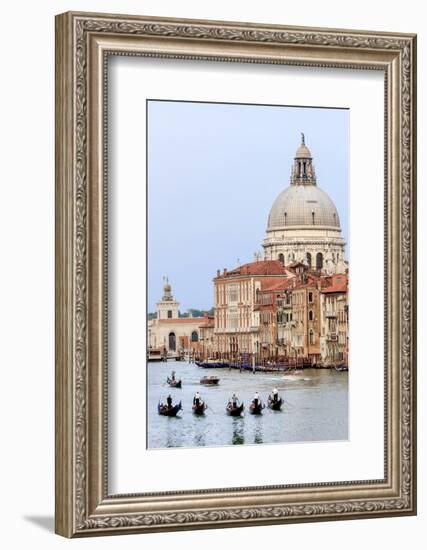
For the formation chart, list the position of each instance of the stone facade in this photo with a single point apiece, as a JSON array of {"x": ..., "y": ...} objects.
[
  {"x": 334, "y": 321},
  {"x": 170, "y": 333}
]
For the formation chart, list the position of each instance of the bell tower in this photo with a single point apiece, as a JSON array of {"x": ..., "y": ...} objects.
[{"x": 167, "y": 307}]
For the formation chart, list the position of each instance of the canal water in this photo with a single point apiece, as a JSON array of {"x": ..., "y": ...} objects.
[{"x": 315, "y": 408}]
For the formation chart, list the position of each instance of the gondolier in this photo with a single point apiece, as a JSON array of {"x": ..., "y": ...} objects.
[
  {"x": 169, "y": 401},
  {"x": 274, "y": 400},
  {"x": 234, "y": 408},
  {"x": 275, "y": 395},
  {"x": 173, "y": 381},
  {"x": 196, "y": 399}
]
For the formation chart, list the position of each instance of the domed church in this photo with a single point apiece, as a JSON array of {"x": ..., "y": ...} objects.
[{"x": 303, "y": 225}]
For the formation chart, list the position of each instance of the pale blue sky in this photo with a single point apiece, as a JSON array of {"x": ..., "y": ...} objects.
[{"x": 214, "y": 171}]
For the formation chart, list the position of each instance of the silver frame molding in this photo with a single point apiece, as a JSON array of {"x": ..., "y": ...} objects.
[{"x": 83, "y": 43}]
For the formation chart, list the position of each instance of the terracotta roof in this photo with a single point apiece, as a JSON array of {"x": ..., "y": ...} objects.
[
  {"x": 339, "y": 283},
  {"x": 262, "y": 267},
  {"x": 275, "y": 284}
]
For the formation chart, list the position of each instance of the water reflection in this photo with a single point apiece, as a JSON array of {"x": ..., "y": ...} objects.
[
  {"x": 238, "y": 431},
  {"x": 258, "y": 431}
]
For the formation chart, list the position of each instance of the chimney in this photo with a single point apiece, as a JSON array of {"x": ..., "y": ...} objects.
[
  {"x": 218, "y": 273},
  {"x": 225, "y": 271}
]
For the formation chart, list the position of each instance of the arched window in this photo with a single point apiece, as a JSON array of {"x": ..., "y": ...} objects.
[
  {"x": 308, "y": 256},
  {"x": 311, "y": 337},
  {"x": 172, "y": 341},
  {"x": 282, "y": 259},
  {"x": 319, "y": 260},
  {"x": 194, "y": 336},
  {"x": 310, "y": 315}
]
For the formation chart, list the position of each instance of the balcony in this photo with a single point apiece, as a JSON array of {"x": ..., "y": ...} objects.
[{"x": 332, "y": 337}]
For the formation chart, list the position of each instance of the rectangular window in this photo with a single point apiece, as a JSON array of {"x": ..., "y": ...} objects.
[{"x": 169, "y": 314}]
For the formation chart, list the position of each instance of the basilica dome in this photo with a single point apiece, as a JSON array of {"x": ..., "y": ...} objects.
[
  {"x": 303, "y": 224},
  {"x": 303, "y": 205}
]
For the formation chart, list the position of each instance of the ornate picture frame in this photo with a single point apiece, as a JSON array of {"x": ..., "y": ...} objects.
[{"x": 84, "y": 506}]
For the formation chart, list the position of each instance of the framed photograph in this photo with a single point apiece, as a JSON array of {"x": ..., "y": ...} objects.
[{"x": 235, "y": 274}]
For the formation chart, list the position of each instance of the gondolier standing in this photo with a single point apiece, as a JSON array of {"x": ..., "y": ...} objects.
[
  {"x": 256, "y": 399},
  {"x": 196, "y": 399},
  {"x": 275, "y": 395},
  {"x": 169, "y": 401}
]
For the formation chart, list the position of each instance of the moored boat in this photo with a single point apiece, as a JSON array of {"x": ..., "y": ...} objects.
[
  {"x": 210, "y": 380},
  {"x": 234, "y": 410},
  {"x": 212, "y": 364},
  {"x": 174, "y": 383},
  {"x": 341, "y": 367},
  {"x": 165, "y": 410},
  {"x": 256, "y": 408}
]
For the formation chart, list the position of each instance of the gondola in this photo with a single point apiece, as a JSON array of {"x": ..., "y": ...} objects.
[
  {"x": 256, "y": 409},
  {"x": 275, "y": 405},
  {"x": 200, "y": 408},
  {"x": 174, "y": 383},
  {"x": 164, "y": 410},
  {"x": 341, "y": 368},
  {"x": 212, "y": 364},
  {"x": 210, "y": 380},
  {"x": 234, "y": 411}
]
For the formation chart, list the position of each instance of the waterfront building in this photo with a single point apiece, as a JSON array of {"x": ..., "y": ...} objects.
[
  {"x": 298, "y": 317},
  {"x": 334, "y": 321},
  {"x": 237, "y": 312},
  {"x": 303, "y": 224},
  {"x": 268, "y": 303},
  {"x": 171, "y": 333}
]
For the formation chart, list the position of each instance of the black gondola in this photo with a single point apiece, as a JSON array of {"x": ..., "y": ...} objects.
[
  {"x": 174, "y": 383},
  {"x": 256, "y": 408},
  {"x": 212, "y": 364},
  {"x": 200, "y": 408},
  {"x": 164, "y": 410},
  {"x": 341, "y": 368},
  {"x": 275, "y": 405},
  {"x": 234, "y": 410}
]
